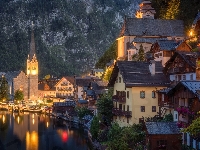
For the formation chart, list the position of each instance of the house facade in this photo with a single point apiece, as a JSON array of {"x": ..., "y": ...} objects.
[
  {"x": 135, "y": 85},
  {"x": 65, "y": 87}
]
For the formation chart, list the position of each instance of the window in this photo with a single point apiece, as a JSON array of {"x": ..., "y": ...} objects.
[
  {"x": 153, "y": 108},
  {"x": 153, "y": 94},
  {"x": 191, "y": 77},
  {"x": 120, "y": 106},
  {"x": 123, "y": 107},
  {"x": 179, "y": 77},
  {"x": 127, "y": 120},
  {"x": 162, "y": 143},
  {"x": 127, "y": 107},
  {"x": 142, "y": 108},
  {"x": 119, "y": 79},
  {"x": 116, "y": 80},
  {"x": 142, "y": 94},
  {"x": 184, "y": 77},
  {"x": 127, "y": 94},
  {"x": 163, "y": 97}
]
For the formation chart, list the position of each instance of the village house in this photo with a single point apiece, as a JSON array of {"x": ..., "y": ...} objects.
[
  {"x": 65, "y": 88},
  {"x": 163, "y": 135},
  {"x": 47, "y": 89},
  {"x": 135, "y": 84},
  {"x": 163, "y": 50}
]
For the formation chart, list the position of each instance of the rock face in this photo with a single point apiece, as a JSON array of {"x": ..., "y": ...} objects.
[{"x": 70, "y": 35}]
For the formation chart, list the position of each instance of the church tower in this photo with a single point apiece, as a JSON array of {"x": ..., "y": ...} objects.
[
  {"x": 145, "y": 10},
  {"x": 32, "y": 70}
]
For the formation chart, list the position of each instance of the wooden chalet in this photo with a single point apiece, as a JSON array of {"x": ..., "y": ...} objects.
[
  {"x": 163, "y": 135},
  {"x": 182, "y": 66},
  {"x": 163, "y": 50}
]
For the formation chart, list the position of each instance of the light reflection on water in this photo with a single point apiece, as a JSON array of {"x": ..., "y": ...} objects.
[{"x": 38, "y": 132}]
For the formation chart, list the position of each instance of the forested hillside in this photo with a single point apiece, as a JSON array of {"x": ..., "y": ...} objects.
[{"x": 70, "y": 35}]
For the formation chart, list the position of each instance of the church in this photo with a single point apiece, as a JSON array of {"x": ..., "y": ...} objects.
[{"x": 26, "y": 82}]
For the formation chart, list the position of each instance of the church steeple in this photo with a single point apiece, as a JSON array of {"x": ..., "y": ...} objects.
[
  {"x": 32, "y": 63},
  {"x": 145, "y": 10},
  {"x": 32, "y": 70},
  {"x": 32, "y": 52}
]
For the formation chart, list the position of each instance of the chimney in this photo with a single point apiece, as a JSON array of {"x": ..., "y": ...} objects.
[{"x": 152, "y": 67}]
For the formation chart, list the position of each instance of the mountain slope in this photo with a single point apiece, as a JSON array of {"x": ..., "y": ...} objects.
[{"x": 70, "y": 35}]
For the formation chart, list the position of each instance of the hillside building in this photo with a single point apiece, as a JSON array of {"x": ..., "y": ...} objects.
[{"x": 144, "y": 30}]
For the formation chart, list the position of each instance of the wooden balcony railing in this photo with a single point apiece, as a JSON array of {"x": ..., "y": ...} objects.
[
  {"x": 117, "y": 98},
  {"x": 120, "y": 112},
  {"x": 166, "y": 104},
  {"x": 128, "y": 113}
]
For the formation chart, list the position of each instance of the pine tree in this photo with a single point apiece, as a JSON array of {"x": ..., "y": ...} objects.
[
  {"x": 172, "y": 9},
  {"x": 19, "y": 95},
  {"x": 141, "y": 54},
  {"x": 3, "y": 89}
]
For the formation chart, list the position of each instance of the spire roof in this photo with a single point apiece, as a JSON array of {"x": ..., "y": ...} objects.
[{"x": 32, "y": 45}]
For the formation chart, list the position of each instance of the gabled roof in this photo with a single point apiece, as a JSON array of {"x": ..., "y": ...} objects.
[
  {"x": 137, "y": 73},
  {"x": 51, "y": 85},
  {"x": 85, "y": 81},
  {"x": 192, "y": 85},
  {"x": 152, "y": 27},
  {"x": 70, "y": 79},
  {"x": 167, "y": 45},
  {"x": 196, "y": 20},
  {"x": 11, "y": 74},
  {"x": 162, "y": 128},
  {"x": 188, "y": 57}
]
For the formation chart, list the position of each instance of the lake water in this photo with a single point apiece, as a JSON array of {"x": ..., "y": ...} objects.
[{"x": 39, "y": 132}]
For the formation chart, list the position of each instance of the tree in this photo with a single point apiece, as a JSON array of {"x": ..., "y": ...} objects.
[
  {"x": 83, "y": 111},
  {"x": 172, "y": 9},
  {"x": 105, "y": 105},
  {"x": 4, "y": 92},
  {"x": 141, "y": 54},
  {"x": 194, "y": 128},
  {"x": 135, "y": 57},
  {"x": 125, "y": 137},
  {"x": 107, "y": 74},
  {"x": 94, "y": 128},
  {"x": 19, "y": 95},
  {"x": 110, "y": 54}
]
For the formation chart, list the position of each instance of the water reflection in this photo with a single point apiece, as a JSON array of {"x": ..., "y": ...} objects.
[{"x": 38, "y": 132}]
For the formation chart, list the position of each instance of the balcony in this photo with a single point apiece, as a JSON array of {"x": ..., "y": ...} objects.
[
  {"x": 128, "y": 113},
  {"x": 120, "y": 99},
  {"x": 120, "y": 112},
  {"x": 166, "y": 104},
  {"x": 117, "y": 112},
  {"x": 176, "y": 70}
]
